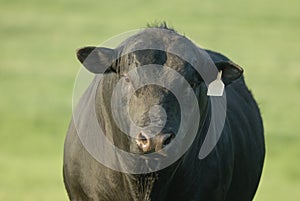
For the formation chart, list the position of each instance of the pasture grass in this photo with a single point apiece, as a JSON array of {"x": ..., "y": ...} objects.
[{"x": 38, "y": 68}]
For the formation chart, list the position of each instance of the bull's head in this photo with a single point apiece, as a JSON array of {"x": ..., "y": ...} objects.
[{"x": 153, "y": 109}]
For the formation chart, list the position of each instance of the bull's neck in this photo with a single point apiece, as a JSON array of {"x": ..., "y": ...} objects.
[{"x": 190, "y": 158}]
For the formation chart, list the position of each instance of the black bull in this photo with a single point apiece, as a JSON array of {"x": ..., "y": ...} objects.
[{"x": 231, "y": 171}]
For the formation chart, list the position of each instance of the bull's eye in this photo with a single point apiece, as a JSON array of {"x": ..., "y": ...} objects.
[
  {"x": 193, "y": 85},
  {"x": 126, "y": 78}
]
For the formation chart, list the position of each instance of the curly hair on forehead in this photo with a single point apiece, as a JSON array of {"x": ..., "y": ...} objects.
[{"x": 160, "y": 25}]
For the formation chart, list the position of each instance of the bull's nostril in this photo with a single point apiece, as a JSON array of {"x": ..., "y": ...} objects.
[
  {"x": 142, "y": 139},
  {"x": 168, "y": 139}
]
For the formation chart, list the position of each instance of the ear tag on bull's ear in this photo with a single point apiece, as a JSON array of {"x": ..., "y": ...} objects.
[{"x": 216, "y": 87}]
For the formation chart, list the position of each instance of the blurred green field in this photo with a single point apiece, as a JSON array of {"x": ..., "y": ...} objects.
[{"x": 38, "y": 68}]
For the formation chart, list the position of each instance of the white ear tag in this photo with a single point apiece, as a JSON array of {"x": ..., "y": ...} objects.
[{"x": 216, "y": 87}]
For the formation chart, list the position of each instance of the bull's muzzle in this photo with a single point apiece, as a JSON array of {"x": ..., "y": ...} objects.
[{"x": 151, "y": 144}]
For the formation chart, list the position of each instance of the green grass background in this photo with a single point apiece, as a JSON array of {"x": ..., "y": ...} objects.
[{"x": 38, "y": 68}]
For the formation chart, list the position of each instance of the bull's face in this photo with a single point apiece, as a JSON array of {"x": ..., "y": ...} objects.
[
  {"x": 149, "y": 112},
  {"x": 153, "y": 107}
]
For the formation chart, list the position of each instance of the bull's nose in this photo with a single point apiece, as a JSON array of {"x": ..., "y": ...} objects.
[
  {"x": 167, "y": 138},
  {"x": 156, "y": 143}
]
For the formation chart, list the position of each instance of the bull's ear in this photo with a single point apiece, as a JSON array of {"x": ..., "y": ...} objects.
[
  {"x": 230, "y": 71},
  {"x": 97, "y": 59}
]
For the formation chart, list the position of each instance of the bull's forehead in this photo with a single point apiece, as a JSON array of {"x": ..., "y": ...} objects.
[
  {"x": 161, "y": 39},
  {"x": 151, "y": 59},
  {"x": 160, "y": 46}
]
